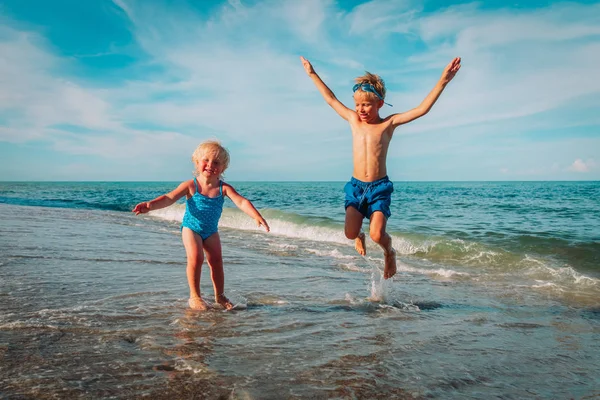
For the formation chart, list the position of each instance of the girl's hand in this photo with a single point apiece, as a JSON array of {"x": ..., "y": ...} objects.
[
  {"x": 261, "y": 221},
  {"x": 142, "y": 208}
]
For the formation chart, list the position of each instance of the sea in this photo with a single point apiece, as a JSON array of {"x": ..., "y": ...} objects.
[{"x": 497, "y": 295}]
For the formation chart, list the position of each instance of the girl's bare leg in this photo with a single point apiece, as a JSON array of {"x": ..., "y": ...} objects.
[
  {"x": 214, "y": 256},
  {"x": 195, "y": 257},
  {"x": 381, "y": 237},
  {"x": 352, "y": 228}
]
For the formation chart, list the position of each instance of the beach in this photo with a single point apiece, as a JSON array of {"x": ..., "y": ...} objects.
[{"x": 497, "y": 295}]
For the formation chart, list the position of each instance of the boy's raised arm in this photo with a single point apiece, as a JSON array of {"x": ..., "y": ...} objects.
[
  {"x": 327, "y": 94},
  {"x": 423, "y": 108}
]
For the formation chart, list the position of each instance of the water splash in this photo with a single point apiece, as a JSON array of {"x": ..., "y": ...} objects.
[{"x": 380, "y": 287}]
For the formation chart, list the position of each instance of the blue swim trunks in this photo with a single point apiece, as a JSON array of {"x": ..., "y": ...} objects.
[{"x": 368, "y": 197}]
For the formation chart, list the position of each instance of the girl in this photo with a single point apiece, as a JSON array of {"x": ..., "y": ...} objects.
[{"x": 205, "y": 195}]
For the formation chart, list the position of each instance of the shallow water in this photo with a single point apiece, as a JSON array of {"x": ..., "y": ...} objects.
[{"x": 94, "y": 305}]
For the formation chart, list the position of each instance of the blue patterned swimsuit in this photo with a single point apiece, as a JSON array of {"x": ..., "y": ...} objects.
[{"x": 202, "y": 213}]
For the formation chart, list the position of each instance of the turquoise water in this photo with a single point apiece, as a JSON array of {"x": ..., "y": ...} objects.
[
  {"x": 497, "y": 295},
  {"x": 557, "y": 221}
]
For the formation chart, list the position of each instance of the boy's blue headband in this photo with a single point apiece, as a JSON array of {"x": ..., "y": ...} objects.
[{"x": 367, "y": 87}]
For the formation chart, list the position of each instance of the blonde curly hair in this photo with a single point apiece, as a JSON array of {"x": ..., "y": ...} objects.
[{"x": 212, "y": 147}]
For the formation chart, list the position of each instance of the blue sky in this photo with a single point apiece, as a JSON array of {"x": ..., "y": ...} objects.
[{"x": 125, "y": 90}]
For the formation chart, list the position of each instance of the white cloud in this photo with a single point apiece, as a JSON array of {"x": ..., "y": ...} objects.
[
  {"x": 378, "y": 17},
  {"x": 306, "y": 17},
  {"x": 475, "y": 28},
  {"x": 582, "y": 166},
  {"x": 36, "y": 98}
]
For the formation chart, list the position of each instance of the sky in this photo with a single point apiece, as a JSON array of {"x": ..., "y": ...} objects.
[{"x": 122, "y": 90}]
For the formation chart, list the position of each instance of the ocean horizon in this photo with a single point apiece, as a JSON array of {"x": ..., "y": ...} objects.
[{"x": 300, "y": 181}]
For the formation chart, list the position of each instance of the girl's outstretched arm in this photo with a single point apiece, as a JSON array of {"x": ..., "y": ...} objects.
[
  {"x": 164, "y": 200},
  {"x": 245, "y": 205}
]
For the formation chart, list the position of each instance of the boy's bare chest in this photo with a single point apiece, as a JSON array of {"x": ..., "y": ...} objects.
[{"x": 374, "y": 136}]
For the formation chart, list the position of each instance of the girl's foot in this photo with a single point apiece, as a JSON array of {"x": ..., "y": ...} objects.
[
  {"x": 224, "y": 301},
  {"x": 197, "y": 303}
]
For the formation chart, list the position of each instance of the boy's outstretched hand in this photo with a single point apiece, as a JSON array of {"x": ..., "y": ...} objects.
[
  {"x": 307, "y": 66},
  {"x": 451, "y": 70}
]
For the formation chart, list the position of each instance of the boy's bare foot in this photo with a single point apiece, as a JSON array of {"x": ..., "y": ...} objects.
[
  {"x": 224, "y": 301},
  {"x": 197, "y": 303},
  {"x": 359, "y": 244},
  {"x": 390, "y": 264}
]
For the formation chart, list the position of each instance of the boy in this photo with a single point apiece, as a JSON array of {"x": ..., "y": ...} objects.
[{"x": 368, "y": 194}]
